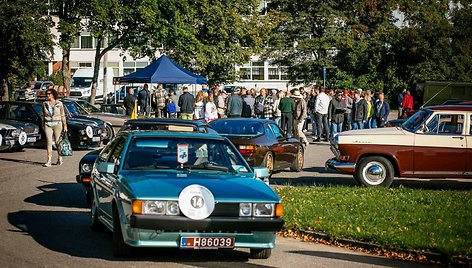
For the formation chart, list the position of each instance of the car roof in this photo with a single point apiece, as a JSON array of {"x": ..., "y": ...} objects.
[
  {"x": 137, "y": 133},
  {"x": 244, "y": 119},
  {"x": 465, "y": 108},
  {"x": 164, "y": 121}
]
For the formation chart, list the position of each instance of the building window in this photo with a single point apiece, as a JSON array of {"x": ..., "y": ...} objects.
[
  {"x": 283, "y": 74},
  {"x": 85, "y": 65},
  {"x": 86, "y": 42},
  {"x": 245, "y": 73},
  {"x": 274, "y": 73},
  {"x": 132, "y": 66},
  {"x": 75, "y": 44}
]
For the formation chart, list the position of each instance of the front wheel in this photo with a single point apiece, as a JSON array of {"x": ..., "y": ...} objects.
[
  {"x": 374, "y": 171},
  {"x": 258, "y": 253},
  {"x": 297, "y": 164},
  {"x": 110, "y": 132},
  {"x": 120, "y": 248}
]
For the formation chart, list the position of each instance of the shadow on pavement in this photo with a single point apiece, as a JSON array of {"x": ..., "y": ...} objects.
[
  {"x": 69, "y": 195},
  {"x": 69, "y": 233},
  {"x": 364, "y": 259},
  {"x": 22, "y": 161}
]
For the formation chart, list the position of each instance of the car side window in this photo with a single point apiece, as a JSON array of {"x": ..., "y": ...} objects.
[
  {"x": 269, "y": 132},
  {"x": 22, "y": 112},
  {"x": 444, "y": 124},
  {"x": 115, "y": 156},
  {"x": 3, "y": 110},
  {"x": 105, "y": 153},
  {"x": 277, "y": 132}
]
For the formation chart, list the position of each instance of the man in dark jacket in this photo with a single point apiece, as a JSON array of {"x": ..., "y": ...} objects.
[
  {"x": 382, "y": 110},
  {"x": 287, "y": 107},
  {"x": 337, "y": 108},
  {"x": 235, "y": 104},
  {"x": 186, "y": 104},
  {"x": 129, "y": 101},
  {"x": 144, "y": 100},
  {"x": 359, "y": 111}
]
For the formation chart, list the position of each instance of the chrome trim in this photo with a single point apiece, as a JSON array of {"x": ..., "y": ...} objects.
[{"x": 334, "y": 164}]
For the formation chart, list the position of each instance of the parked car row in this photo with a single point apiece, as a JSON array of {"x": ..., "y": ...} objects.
[{"x": 16, "y": 134}]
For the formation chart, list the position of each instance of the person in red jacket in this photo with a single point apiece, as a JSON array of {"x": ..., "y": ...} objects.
[{"x": 407, "y": 103}]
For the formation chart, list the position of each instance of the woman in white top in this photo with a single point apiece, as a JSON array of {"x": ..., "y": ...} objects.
[
  {"x": 199, "y": 108},
  {"x": 277, "y": 112},
  {"x": 211, "y": 111}
]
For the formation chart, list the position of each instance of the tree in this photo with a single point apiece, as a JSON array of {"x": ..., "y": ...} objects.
[
  {"x": 70, "y": 13},
  {"x": 211, "y": 37},
  {"x": 26, "y": 41},
  {"x": 305, "y": 37},
  {"x": 127, "y": 24}
]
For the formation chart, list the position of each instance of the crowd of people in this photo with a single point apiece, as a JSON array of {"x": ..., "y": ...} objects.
[{"x": 330, "y": 111}]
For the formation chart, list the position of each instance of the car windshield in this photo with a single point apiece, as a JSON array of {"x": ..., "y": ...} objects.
[
  {"x": 73, "y": 109},
  {"x": 81, "y": 82},
  {"x": 158, "y": 126},
  {"x": 149, "y": 153},
  {"x": 237, "y": 127},
  {"x": 416, "y": 120},
  {"x": 89, "y": 107}
]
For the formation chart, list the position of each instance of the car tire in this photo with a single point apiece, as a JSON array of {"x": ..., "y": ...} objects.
[
  {"x": 110, "y": 132},
  {"x": 374, "y": 171},
  {"x": 269, "y": 162},
  {"x": 297, "y": 164},
  {"x": 120, "y": 248},
  {"x": 260, "y": 253},
  {"x": 95, "y": 223}
]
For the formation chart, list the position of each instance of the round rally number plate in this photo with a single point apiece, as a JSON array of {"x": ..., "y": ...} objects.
[{"x": 196, "y": 202}]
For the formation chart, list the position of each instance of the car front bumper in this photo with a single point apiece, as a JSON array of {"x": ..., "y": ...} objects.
[
  {"x": 347, "y": 167},
  {"x": 166, "y": 231}
]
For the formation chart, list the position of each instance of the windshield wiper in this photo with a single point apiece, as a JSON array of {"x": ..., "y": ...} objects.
[{"x": 207, "y": 166}]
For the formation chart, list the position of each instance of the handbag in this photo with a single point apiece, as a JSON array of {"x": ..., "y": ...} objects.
[{"x": 64, "y": 147}]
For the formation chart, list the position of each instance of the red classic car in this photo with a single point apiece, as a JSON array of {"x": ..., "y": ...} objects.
[{"x": 436, "y": 142}]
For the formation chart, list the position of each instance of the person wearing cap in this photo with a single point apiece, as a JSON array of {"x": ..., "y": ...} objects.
[
  {"x": 300, "y": 114},
  {"x": 186, "y": 104},
  {"x": 359, "y": 111},
  {"x": 235, "y": 104},
  {"x": 336, "y": 112}
]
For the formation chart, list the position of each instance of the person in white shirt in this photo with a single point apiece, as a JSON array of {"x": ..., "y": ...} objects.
[
  {"x": 321, "y": 109},
  {"x": 211, "y": 112}
]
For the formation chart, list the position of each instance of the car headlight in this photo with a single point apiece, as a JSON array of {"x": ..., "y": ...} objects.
[
  {"x": 245, "y": 209},
  {"x": 36, "y": 130},
  {"x": 172, "y": 208},
  {"x": 263, "y": 210},
  {"x": 154, "y": 207},
  {"x": 15, "y": 133},
  {"x": 86, "y": 168},
  {"x": 89, "y": 131}
]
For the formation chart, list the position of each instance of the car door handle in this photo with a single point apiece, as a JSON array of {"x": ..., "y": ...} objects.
[{"x": 460, "y": 138}]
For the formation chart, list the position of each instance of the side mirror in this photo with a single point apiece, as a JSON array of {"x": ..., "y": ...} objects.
[
  {"x": 262, "y": 173},
  {"x": 106, "y": 167}
]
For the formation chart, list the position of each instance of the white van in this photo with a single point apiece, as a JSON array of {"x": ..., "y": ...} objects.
[{"x": 81, "y": 86}]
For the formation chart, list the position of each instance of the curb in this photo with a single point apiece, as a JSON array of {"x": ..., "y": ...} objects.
[{"x": 420, "y": 256}]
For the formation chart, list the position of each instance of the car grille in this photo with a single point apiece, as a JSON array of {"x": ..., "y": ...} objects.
[
  {"x": 6, "y": 133},
  {"x": 206, "y": 232}
]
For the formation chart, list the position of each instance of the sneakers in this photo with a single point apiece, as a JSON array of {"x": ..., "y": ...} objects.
[
  {"x": 47, "y": 164},
  {"x": 59, "y": 161}
]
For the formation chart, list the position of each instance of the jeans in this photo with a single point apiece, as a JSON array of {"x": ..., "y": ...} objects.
[
  {"x": 322, "y": 121},
  {"x": 314, "y": 128},
  {"x": 336, "y": 128},
  {"x": 358, "y": 124},
  {"x": 347, "y": 122},
  {"x": 287, "y": 123},
  {"x": 368, "y": 123}
]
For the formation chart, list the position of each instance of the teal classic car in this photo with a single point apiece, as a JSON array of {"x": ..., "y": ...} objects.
[{"x": 182, "y": 190}]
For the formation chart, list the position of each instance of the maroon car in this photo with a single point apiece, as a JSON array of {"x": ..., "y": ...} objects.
[{"x": 262, "y": 143}]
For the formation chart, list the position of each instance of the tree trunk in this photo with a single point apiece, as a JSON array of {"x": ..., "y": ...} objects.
[
  {"x": 66, "y": 79},
  {"x": 5, "y": 95},
  {"x": 96, "y": 69}
]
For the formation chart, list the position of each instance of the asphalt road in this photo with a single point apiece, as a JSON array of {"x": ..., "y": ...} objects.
[{"x": 44, "y": 222}]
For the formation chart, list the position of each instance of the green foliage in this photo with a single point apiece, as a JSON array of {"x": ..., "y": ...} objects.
[
  {"x": 393, "y": 218},
  {"x": 26, "y": 40}
]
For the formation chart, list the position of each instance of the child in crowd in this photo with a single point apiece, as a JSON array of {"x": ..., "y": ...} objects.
[{"x": 171, "y": 109}]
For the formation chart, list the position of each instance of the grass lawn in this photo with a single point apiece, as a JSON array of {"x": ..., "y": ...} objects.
[{"x": 396, "y": 218}]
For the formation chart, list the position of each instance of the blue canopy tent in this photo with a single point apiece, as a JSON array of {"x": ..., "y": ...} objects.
[{"x": 163, "y": 70}]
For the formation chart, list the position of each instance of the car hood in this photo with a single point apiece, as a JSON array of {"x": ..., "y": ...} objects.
[
  {"x": 85, "y": 120},
  {"x": 389, "y": 135},
  {"x": 225, "y": 187},
  {"x": 6, "y": 126},
  {"x": 114, "y": 119},
  {"x": 17, "y": 124}
]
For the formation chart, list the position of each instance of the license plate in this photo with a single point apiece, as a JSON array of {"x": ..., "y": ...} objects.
[
  {"x": 207, "y": 242},
  {"x": 32, "y": 139},
  {"x": 95, "y": 139}
]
